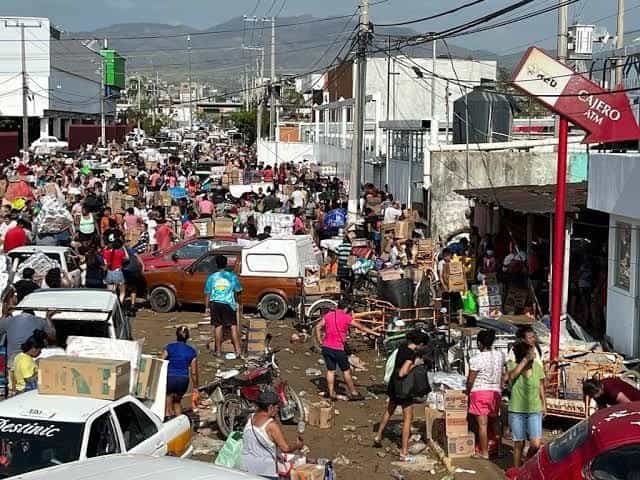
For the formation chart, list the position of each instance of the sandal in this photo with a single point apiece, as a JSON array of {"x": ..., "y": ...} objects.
[
  {"x": 356, "y": 398},
  {"x": 377, "y": 443}
]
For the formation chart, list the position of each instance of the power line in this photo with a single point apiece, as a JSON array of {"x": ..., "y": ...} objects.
[{"x": 431, "y": 17}]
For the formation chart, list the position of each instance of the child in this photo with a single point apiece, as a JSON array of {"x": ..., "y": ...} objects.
[{"x": 25, "y": 369}]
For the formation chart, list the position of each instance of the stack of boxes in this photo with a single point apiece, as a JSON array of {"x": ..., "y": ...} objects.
[
  {"x": 425, "y": 253},
  {"x": 256, "y": 337},
  {"x": 450, "y": 427},
  {"x": 457, "y": 281},
  {"x": 489, "y": 299}
]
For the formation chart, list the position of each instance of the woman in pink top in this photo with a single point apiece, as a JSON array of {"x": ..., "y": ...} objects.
[
  {"x": 131, "y": 220},
  {"x": 336, "y": 326},
  {"x": 206, "y": 206}
]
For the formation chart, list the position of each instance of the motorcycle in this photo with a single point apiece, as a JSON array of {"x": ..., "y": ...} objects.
[{"x": 235, "y": 394}]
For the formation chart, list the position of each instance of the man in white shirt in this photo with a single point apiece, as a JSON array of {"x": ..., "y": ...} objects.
[
  {"x": 297, "y": 198},
  {"x": 392, "y": 213}
]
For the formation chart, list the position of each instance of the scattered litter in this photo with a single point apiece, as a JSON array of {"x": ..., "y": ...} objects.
[
  {"x": 320, "y": 361},
  {"x": 396, "y": 475},
  {"x": 417, "y": 448},
  {"x": 357, "y": 364},
  {"x": 465, "y": 470},
  {"x": 381, "y": 454},
  {"x": 203, "y": 445},
  {"x": 349, "y": 428},
  {"x": 419, "y": 463},
  {"x": 312, "y": 372},
  {"x": 341, "y": 460}
]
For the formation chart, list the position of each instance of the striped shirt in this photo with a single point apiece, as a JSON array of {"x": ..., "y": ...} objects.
[{"x": 344, "y": 252}]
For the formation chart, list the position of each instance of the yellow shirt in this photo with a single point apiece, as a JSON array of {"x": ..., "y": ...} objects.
[{"x": 24, "y": 370}]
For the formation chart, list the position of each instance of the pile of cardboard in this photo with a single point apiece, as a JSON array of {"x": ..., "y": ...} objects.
[
  {"x": 454, "y": 272},
  {"x": 308, "y": 472},
  {"x": 449, "y": 427},
  {"x": 425, "y": 253},
  {"x": 489, "y": 299},
  {"x": 516, "y": 299},
  {"x": 321, "y": 414},
  {"x": 256, "y": 337},
  {"x": 323, "y": 286}
]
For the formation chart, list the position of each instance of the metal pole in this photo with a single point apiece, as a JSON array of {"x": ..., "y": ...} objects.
[
  {"x": 359, "y": 107},
  {"x": 562, "y": 46},
  {"x": 386, "y": 167},
  {"x": 434, "y": 119},
  {"x": 619, "y": 45},
  {"x": 139, "y": 100},
  {"x": 272, "y": 97},
  {"x": 559, "y": 239},
  {"x": 25, "y": 93},
  {"x": 190, "y": 102},
  {"x": 260, "y": 99},
  {"x": 103, "y": 128}
]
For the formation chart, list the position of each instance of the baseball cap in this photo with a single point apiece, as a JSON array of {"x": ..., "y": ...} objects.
[{"x": 268, "y": 397}]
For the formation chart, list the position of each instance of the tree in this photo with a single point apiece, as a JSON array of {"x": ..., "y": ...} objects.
[{"x": 245, "y": 122}]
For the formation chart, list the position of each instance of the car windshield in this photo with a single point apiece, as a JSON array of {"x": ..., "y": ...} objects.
[
  {"x": 573, "y": 438},
  {"x": 22, "y": 256},
  {"x": 32, "y": 444}
]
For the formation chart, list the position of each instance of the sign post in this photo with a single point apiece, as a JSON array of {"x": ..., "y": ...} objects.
[{"x": 605, "y": 116}]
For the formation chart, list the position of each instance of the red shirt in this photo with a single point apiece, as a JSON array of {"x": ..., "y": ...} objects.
[
  {"x": 206, "y": 207},
  {"x": 14, "y": 238},
  {"x": 267, "y": 175},
  {"x": 614, "y": 386},
  {"x": 113, "y": 258},
  {"x": 163, "y": 236}
]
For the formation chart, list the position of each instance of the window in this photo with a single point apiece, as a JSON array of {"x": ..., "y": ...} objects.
[
  {"x": 136, "y": 426},
  {"x": 265, "y": 262},
  {"x": 72, "y": 262},
  {"x": 193, "y": 250},
  {"x": 618, "y": 464},
  {"x": 622, "y": 274},
  {"x": 207, "y": 265},
  {"x": 575, "y": 437},
  {"x": 102, "y": 437}
]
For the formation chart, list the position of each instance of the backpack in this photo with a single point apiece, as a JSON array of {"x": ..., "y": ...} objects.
[{"x": 390, "y": 366}]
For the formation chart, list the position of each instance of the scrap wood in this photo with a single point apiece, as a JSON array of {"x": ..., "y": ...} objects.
[
  {"x": 437, "y": 449},
  {"x": 371, "y": 313}
]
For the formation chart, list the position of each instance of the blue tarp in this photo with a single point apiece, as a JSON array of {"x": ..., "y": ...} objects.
[{"x": 336, "y": 218}]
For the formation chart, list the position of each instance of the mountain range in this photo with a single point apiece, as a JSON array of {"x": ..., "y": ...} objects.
[{"x": 303, "y": 43}]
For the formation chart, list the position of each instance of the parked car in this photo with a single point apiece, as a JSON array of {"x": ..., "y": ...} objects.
[
  {"x": 38, "y": 431},
  {"x": 47, "y": 145},
  {"x": 183, "y": 254},
  {"x": 271, "y": 274},
  {"x": 83, "y": 312},
  {"x": 136, "y": 467},
  {"x": 605, "y": 446},
  {"x": 66, "y": 257}
]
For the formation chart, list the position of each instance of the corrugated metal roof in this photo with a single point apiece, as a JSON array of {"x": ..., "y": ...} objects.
[{"x": 538, "y": 199}]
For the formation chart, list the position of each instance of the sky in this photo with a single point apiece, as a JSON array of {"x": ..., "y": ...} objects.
[{"x": 86, "y": 15}]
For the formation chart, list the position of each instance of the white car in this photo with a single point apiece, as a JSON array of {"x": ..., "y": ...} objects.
[
  {"x": 66, "y": 257},
  {"x": 47, "y": 145},
  {"x": 137, "y": 467},
  {"x": 39, "y": 431}
]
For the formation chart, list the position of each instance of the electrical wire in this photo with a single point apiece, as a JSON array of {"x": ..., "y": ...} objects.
[{"x": 431, "y": 17}]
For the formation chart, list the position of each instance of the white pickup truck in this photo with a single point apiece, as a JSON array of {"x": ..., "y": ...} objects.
[{"x": 39, "y": 431}]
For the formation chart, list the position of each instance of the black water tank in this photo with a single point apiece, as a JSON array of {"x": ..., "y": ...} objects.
[{"x": 490, "y": 116}]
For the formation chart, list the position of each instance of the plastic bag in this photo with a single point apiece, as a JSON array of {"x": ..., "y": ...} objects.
[
  {"x": 469, "y": 303},
  {"x": 229, "y": 454},
  {"x": 389, "y": 366}
]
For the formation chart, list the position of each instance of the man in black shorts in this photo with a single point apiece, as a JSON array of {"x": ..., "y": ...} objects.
[{"x": 220, "y": 296}]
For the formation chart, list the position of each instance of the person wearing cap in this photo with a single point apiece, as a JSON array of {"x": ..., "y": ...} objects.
[{"x": 263, "y": 439}]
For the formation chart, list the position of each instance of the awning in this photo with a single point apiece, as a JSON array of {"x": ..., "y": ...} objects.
[{"x": 536, "y": 199}]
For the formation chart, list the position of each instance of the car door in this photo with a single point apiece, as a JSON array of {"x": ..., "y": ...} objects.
[
  {"x": 140, "y": 433},
  {"x": 194, "y": 279},
  {"x": 103, "y": 438},
  {"x": 188, "y": 253},
  {"x": 73, "y": 269},
  {"x": 622, "y": 463}
]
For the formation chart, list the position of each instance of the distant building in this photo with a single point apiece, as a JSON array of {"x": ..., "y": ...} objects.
[{"x": 63, "y": 78}]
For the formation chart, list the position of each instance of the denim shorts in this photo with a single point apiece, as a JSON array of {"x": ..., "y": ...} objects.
[
  {"x": 525, "y": 426},
  {"x": 114, "y": 277}
]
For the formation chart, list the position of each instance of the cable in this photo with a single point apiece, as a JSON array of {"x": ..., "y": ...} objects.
[
  {"x": 284, "y": 2},
  {"x": 431, "y": 17}
]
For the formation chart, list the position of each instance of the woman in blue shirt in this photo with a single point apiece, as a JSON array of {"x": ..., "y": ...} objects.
[{"x": 183, "y": 366}]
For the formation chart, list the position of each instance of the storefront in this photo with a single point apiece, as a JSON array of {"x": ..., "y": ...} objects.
[{"x": 613, "y": 188}]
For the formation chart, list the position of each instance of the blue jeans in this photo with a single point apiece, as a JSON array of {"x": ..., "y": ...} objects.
[{"x": 525, "y": 426}]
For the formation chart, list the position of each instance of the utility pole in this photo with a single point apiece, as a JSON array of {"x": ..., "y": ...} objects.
[
  {"x": 103, "y": 127},
  {"x": 435, "y": 129},
  {"x": 139, "y": 101},
  {"x": 190, "y": 102},
  {"x": 25, "y": 85},
  {"x": 359, "y": 108},
  {"x": 260, "y": 98},
  {"x": 272, "y": 97},
  {"x": 619, "y": 45}
]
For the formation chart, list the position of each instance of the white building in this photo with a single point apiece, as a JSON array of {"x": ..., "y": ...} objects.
[
  {"x": 613, "y": 189},
  {"x": 63, "y": 78}
]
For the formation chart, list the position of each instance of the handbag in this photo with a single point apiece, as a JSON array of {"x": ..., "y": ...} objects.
[{"x": 415, "y": 384}]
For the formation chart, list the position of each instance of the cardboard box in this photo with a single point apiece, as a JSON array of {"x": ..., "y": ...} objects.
[
  {"x": 256, "y": 335},
  {"x": 204, "y": 227},
  {"x": 223, "y": 226},
  {"x": 455, "y": 423},
  {"x": 227, "y": 347},
  {"x": 456, "y": 400},
  {"x": 308, "y": 472},
  {"x": 257, "y": 324},
  {"x": 483, "y": 301},
  {"x": 149, "y": 370},
  {"x": 329, "y": 285},
  {"x": 574, "y": 374},
  {"x": 390, "y": 274},
  {"x": 321, "y": 415},
  {"x": 165, "y": 198},
  {"x": 460, "y": 446},
  {"x": 495, "y": 300},
  {"x": 404, "y": 229},
  {"x": 434, "y": 422},
  {"x": 84, "y": 377}
]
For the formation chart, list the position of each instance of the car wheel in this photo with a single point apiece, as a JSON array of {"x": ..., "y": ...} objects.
[
  {"x": 273, "y": 307},
  {"x": 162, "y": 299}
]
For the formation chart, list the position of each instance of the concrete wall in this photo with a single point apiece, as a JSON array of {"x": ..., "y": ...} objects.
[
  {"x": 486, "y": 169},
  {"x": 324, "y": 155}
]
